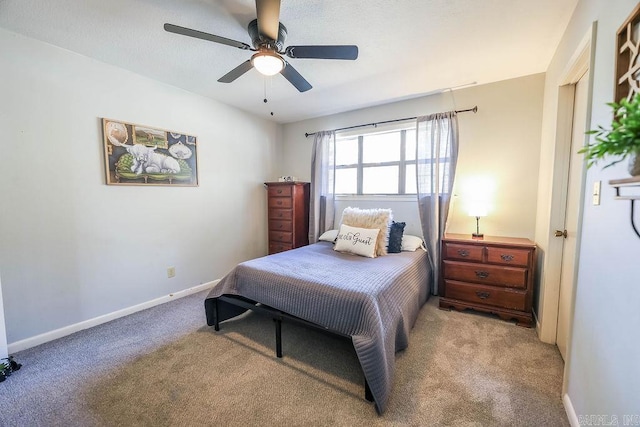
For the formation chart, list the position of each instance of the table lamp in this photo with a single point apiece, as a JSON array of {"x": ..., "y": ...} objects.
[{"x": 477, "y": 209}]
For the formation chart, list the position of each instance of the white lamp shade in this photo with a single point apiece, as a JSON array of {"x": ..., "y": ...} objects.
[
  {"x": 267, "y": 63},
  {"x": 478, "y": 209}
]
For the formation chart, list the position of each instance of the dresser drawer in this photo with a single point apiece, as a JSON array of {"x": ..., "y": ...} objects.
[
  {"x": 278, "y": 225},
  {"x": 512, "y": 277},
  {"x": 279, "y": 191},
  {"x": 279, "y": 247},
  {"x": 280, "y": 214},
  {"x": 508, "y": 256},
  {"x": 464, "y": 252},
  {"x": 488, "y": 295},
  {"x": 280, "y": 236},
  {"x": 280, "y": 202}
]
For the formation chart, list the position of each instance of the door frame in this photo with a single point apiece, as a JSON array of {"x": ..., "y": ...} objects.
[
  {"x": 578, "y": 163},
  {"x": 581, "y": 61}
]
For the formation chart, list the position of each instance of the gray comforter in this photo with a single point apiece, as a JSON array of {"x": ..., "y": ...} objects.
[{"x": 373, "y": 300}]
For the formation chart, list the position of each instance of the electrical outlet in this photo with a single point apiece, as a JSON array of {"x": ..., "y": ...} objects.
[{"x": 171, "y": 272}]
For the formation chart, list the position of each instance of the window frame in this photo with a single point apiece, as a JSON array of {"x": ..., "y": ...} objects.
[{"x": 360, "y": 166}]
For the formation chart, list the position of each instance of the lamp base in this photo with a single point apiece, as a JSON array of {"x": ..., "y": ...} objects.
[{"x": 477, "y": 234}]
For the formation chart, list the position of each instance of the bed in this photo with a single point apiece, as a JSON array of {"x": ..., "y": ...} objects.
[{"x": 374, "y": 301}]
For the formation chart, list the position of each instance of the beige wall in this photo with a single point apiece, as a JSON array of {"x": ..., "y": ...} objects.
[{"x": 498, "y": 145}]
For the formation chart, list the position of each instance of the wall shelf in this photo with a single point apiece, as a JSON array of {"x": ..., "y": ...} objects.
[
  {"x": 633, "y": 186},
  {"x": 627, "y": 183}
]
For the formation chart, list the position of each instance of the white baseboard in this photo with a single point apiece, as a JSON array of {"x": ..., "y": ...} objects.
[
  {"x": 571, "y": 413},
  {"x": 68, "y": 330}
]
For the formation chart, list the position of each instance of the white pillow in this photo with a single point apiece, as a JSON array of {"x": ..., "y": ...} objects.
[
  {"x": 329, "y": 236},
  {"x": 358, "y": 241},
  {"x": 411, "y": 243},
  {"x": 370, "y": 218}
]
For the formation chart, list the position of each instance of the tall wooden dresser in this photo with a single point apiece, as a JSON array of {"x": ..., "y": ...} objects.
[
  {"x": 288, "y": 205},
  {"x": 493, "y": 275}
]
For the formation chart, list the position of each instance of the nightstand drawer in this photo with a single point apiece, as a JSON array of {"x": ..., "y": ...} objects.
[
  {"x": 280, "y": 202},
  {"x": 280, "y": 236},
  {"x": 277, "y": 225},
  {"x": 488, "y": 295},
  {"x": 280, "y": 214},
  {"x": 511, "y": 277},
  {"x": 508, "y": 256},
  {"x": 279, "y": 191},
  {"x": 463, "y": 252}
]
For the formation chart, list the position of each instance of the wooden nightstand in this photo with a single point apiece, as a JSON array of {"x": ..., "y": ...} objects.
[{"x": 493, "y": 275}]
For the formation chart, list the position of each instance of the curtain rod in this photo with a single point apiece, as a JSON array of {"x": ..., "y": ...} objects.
[{"x": 474, "y": 109}]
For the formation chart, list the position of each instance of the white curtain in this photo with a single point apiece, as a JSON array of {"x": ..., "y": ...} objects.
[
  {"x": 322, "y": 203},
  {"x": 437, "y": 155}
]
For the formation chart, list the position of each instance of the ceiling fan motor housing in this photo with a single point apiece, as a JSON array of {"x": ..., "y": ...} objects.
[{"x": 257, "y": 41}]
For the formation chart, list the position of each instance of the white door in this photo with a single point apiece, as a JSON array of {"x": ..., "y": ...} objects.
[{"x": 567, "y": 275}]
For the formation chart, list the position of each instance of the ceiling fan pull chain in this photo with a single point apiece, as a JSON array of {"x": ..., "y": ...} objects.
[{"x": 265, "y": 89}]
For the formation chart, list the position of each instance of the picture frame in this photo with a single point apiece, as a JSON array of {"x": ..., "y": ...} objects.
[{"x": 143, "y": 155}]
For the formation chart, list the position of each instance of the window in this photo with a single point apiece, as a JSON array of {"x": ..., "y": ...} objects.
[{"x": 380, "y": 162}]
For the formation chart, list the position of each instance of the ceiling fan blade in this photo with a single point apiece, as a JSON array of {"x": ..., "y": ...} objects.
[
  {"x": 295, "y": 78},
  {"x": 205, "y": 36},
  {"x": 323, "y": 52},
  {"x": 236, "y": 72},
  {"x": 268, "y": 12}
]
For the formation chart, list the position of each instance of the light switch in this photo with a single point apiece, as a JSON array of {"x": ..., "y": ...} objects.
[{"x": 596, "y": 193}]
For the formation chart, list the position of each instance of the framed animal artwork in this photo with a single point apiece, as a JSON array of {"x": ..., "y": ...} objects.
[{"x": 142, "y": 155}]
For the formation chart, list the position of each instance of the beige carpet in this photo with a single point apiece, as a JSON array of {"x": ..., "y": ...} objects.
[{"x": 460, "y": 369}]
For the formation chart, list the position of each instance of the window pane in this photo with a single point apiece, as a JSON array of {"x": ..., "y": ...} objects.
[
  {"x": 347, "y": 151},
  {"x": 380, "y": 180},
  {"x": 383, "y": 147},
  {"x": 410, "y": 145},
  {"x": 443, "y": 172},
  {"x": 346, "y": 181},
  {"x": 410, "y": 186}
]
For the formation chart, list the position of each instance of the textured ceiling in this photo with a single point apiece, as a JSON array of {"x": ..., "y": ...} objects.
[{"x": 407, "y": 47}]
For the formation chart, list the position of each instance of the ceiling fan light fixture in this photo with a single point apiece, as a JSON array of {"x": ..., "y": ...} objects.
[{"x": 267, "y": 63}]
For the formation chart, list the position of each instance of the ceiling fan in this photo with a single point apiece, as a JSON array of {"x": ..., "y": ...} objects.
[{"x": 267, "y": 37}]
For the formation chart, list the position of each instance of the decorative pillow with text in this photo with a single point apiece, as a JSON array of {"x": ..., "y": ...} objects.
[
  {"x": 370, "y": 219},
  {"x": 357, "y": 241}
]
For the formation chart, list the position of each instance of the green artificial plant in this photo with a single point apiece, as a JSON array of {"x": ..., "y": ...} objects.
[{"x": 622, "y": 140}]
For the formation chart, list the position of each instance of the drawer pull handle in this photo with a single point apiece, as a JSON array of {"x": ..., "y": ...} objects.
[
  {"x": 279, "y": 191},
  {"x": 482, "y": 274},
  {"x": 483, "y": 295},
  {"x": 279, "y": 202},
  {"x": 280, "y": 226},
  {"x": 463, "y": 252},
  {"x": 506, "y": 257}
]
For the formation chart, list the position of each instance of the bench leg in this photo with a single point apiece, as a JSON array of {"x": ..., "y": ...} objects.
[
  {"x": 216, "y": 316},
  {"x": 278, "y": 337},
  {"x": 367, "y": 392}
]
